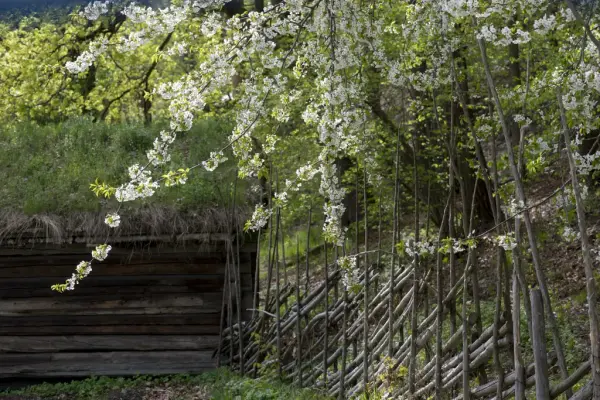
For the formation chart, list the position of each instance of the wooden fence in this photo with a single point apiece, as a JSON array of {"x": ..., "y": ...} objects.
[{"x": 403, "y": 336}]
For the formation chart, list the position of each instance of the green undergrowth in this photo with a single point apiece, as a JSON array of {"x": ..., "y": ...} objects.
[
  {"x": 49, "y": 168},
  {"x": 220, "y": 384}
]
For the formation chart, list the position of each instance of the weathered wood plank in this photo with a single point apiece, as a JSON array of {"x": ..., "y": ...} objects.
[
  {"x": 111, "y": 330},
  {"x": 64, "y": 271},
  {"x": 118, "y": 258},
  {"x": 109, "y": 319},
  {"x": 143, "y": 285},
  {"x": 144, "y": 250},
  {"x": 103, "y": 363},
  {"x": 46, "y": 344},
  {"x": 113, "y": 304}
]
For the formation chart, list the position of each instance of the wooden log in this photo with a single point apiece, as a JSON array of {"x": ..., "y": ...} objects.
[
  {"x": 62, "y": 271},
  {"x": 568, "y": 383},
  {"x": 47, "y": 344},
  {"x": 509, "y": 379},
  {"x": 115, "y": 257},
  {"x": 585, "y": 393},
  {"x": 112, "y": 330},
  {"x": 542, "y": 385},
  {"x": 94, "y": 285},
  {"x": 109, "y": 319},
  {"x": 529, "y": 382},
  {"x": 113, "y": 304},
  {"x": 146, "y": 250},
  {"x": 45, "y": 365}
]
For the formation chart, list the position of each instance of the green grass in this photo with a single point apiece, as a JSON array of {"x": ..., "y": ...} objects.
[
  {"x": 219, "y": 384},
  {"x": 49, "y": 168}
]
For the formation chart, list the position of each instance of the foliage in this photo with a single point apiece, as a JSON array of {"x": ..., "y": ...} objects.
[{"x": 219, "y": 385}]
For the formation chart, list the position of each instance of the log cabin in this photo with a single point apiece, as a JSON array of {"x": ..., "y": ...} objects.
[{"x": 154, "y": 306}]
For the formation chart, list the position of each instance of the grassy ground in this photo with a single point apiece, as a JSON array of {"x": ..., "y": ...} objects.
[
  {"x": 219, "y": 385},
  {"x": 49, "y": 168}
]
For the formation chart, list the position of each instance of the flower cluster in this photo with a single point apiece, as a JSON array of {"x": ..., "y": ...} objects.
[
  {"x": 101, "y": 252},
  {"x": 453, "y": 246},
  {"x": 213, "y": 162},
  {"x": 570, "y": 235},
  {"x": 507, "y": 242},
  {"x": 141, "y": 185},
  {"x": 260, "y": 218},
  {"x": 421, "y": 248},
  {"x": 504, "y": 37},
  {"x": 514, "y": 207},
  {"x": 113, "y": 220},
  {"x": 82, "y": 270},
  {"x": 586, "y": 163},
  {"x": 94, "y": 10},
  {"x": 87, "y": 58},
  {"x": 349, "y": 273},
  {"x": 160, "y": 152},
  {"x": 545, "y": 24}
]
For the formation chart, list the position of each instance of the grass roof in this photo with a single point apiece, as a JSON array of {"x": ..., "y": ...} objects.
[{"x": 47, "y": 170}]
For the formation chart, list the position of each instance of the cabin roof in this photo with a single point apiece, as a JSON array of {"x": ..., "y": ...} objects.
[{"x": 151, "y": 223}]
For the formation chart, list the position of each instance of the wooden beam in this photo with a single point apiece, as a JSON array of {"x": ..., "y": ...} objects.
[
  {"x": 49, "y": 344},
  {"x": 112, "y": 330},
  {"x": 113, "y": 304},
  {"x": 43, "y": 365},
  {"x": 64, "y": 271}
]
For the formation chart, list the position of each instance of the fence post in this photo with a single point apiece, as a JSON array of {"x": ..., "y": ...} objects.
[{"x": 542, "y": 386}]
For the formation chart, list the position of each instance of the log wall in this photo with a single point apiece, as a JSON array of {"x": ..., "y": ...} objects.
[{"x": 145, "y": 311}]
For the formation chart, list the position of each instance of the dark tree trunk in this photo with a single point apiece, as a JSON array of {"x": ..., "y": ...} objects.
[{"x": 234, "y": 7}]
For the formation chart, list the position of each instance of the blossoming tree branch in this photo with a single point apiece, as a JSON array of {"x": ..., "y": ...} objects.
[{"x": 315, "y": 63}]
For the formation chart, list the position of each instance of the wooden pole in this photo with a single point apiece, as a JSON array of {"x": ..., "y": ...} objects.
[
  {"x": 298, "y": 332},
  {"x": 542, "y": 385},
  {"x": 307, "y": 250},
  {"x": 592, "y": 291},
  {"x": 518, "y": 357},
  {"x": 366, "y": 293},
  {"x": 393, "y": 267},
  {"x": 412, "y": 367},
  {"x": 277, "y": 300},
  {"x": 520, "y": 191},
  {"x": 326, "y": 329}
]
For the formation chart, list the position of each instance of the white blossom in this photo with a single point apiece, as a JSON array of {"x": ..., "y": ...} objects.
[
  {"x": 545, "y": 24},
  {"x": 570, "y": 235},
  {"x": 101, "y": 252},
  {"x": 349, "y": 273},
  {"x": 213, "y": 162},
  {"x": 87, "y": 58},
  {"x": 507, "y": 242},
  {"x": 113, "y": 220},
  {"x": 84, "y": 268},
  {"x": 94, "y": 10},
  {"x": 260, "y": 218}
]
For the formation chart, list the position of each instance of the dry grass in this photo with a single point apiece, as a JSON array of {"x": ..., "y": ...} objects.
[{"x": 17, "y": 228}]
